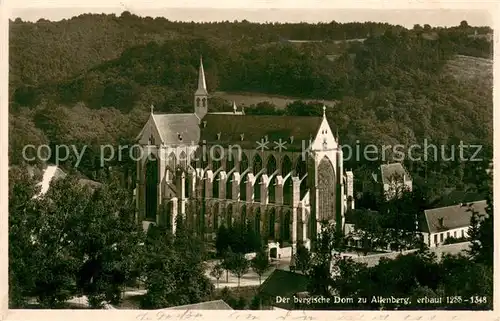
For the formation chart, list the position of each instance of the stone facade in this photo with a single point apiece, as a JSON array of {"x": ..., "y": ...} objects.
[{"x": 202, "y": 166}]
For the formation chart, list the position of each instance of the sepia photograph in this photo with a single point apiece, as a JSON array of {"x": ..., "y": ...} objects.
[{"x": 237, "y": 159}]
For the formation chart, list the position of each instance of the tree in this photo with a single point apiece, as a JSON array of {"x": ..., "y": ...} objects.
[
  {"x": 79, "y": 240},
  {"x": 22, "y": 219},
  {"x": 302, "y": 259},
  {"x": 239, "y": 266},
  {"x": 329, "y": 243},
  {"x": 481, "y": 232},
  {"x": 222, "y": 240},
  {"x": 227, "y": 261},
  {"x": 217, "y": 272},
  {"x": 174, "y": 270},
  {"x": 260, "y": 264}
]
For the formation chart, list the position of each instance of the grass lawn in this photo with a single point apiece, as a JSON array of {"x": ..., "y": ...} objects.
[{"x": 247, "y": 99}]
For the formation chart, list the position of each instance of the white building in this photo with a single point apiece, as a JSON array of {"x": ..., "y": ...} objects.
[{"x": 450, "y": 221}]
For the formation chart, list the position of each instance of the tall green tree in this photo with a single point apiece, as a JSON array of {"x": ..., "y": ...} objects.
[
  {"x": 239, "y": 266},
  {"x": 216, "y": 272},
  {"x": 79, "y": 240},
  {"x": 174, "y": 269},
  {"x": 260, "y": 264},
  {"x": 302, "y": 259}
]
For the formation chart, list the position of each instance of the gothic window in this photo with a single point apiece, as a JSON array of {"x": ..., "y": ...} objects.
[
  {"x": 287, "y": 188},
  {"x": 326, "y": 190},
  {"x": 243, "y": 163},
  {"x": 171, "y": 161},
  {"x": 204, "y": 102},
  {"x": 216, "y": 186},
  {"x": 198, "y": 102},
  {"x": 243, "y": 184},
  {"x": 272, "y": 190},
  {"x": 270, "y": 169},
  {"x": 187, "y": 184},
  {"x": 257, "y": 221},
  {"x": 151, "y": 189},
  {"x": 272, "y": 221},
  {"x": 183, "y": 160},
  {"x": 301, "y": 171},
  {"x": 204, "y": 161},
  {"x": 216, "y": 164},
  {"x": 229, "y": 162},
  {"x": 229, "y": 187},
  {"x": 243, "y": 188},
  {"x": 286, "y": 227},
  {"x": 257, "y": 167},
  {"x": 151, "y": 140}
]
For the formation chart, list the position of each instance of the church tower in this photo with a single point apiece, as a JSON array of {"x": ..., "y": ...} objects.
[{"x": 201, "y": 94}]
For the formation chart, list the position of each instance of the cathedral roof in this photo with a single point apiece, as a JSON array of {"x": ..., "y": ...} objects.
[
  {"x": 246, "y": 131},
  {"x": 170, "y": 126}
]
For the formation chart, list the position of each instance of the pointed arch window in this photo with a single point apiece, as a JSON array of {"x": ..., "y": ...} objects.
[
  {"x": 198, "y": 102},
  {"x": 271, "y": 223},
  {"x": 204, "y": 102},
  {"x": 257, "y": 166},
  {"x": 286, "y": 168}
]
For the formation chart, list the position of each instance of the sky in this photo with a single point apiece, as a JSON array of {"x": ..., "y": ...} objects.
[{"x": 405, "y": 13}]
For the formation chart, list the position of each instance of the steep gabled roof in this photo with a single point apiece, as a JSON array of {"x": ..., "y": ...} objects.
[
  {"x": 170, "y": 126},
  {"x": 391, "y": 171},
  {"x": 284, "y": 284},
  {"x": 451, "y": 217},
  {"x": 245, "y": 131}
]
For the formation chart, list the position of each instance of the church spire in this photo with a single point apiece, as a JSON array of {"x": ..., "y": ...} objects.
[
  {"x": 201, "y": 94},
  {"x": 202, "y": 84}
]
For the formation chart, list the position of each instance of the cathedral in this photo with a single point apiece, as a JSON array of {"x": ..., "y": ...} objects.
[{"x": 283, "y": 175}]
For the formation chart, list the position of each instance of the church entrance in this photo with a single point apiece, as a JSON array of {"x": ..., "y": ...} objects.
[{"x": 273, "y": 252}]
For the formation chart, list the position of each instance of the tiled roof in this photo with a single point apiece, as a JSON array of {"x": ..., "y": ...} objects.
[
  {"x": 209, "y": 305},
  {"x": 171, "y": 126},
  {"x": 245, "y": 131},
  {"x": 450, "y": 217},
  {"x": 391, "y": 171},
  {"x": 285, "y": 284}
]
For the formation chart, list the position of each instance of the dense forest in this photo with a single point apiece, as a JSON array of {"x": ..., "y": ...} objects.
[{"x": 91, "y": 79}]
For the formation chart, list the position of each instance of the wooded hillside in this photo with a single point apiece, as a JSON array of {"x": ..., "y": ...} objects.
[{"x": 91, "y": 80}]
